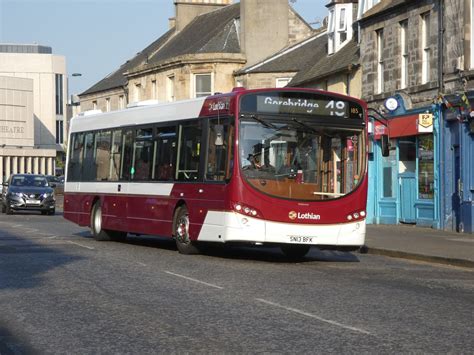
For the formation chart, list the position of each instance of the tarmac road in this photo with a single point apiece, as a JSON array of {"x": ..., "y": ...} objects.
[{"x": 63, "y": 292}]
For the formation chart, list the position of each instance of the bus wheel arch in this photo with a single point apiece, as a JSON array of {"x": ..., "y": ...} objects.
[
  {"x": 98, "y": 232},
  {"x": 181, "y": 226}
]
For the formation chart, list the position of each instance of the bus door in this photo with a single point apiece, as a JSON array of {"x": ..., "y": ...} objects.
[{"x": 119, "y": 174}]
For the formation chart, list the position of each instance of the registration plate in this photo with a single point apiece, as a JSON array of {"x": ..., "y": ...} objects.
[
  {"x": 301, "y": 239},
  {"x": 33, "y": 202}
]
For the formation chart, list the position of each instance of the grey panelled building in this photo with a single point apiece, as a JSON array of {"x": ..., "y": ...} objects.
[{"x": 32, "y": 109}]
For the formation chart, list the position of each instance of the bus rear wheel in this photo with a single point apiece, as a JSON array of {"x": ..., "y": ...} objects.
[
  {"x": 181, "y": 232},
  {"x": 294, "y": 252},
  {"x": 100, "y": 234}
]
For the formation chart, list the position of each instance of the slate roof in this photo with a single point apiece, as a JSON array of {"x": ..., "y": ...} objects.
[
  {"x": 328, "y": 64},
  {"x": 116, "y": 78},
  {"x": 291, "y": 59},
  {"x": 213, "y": 32}
]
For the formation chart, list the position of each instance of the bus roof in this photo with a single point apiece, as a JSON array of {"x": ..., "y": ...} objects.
[{"x": 163, "y": 112}]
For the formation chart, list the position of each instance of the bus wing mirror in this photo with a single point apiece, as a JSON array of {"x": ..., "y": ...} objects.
[
  {"x": 219, "y": 129},
  {"x": 385, "y": 145}
]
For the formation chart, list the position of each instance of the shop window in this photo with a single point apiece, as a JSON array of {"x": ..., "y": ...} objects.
[
  {"x": 389, "y": 173},
  {"x": 407, "y": 154},
  {"x": 425, "y": 167}
]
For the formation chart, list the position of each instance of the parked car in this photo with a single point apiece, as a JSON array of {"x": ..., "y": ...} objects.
[
  {"x": 28, "y": 192},
  {"x": 56, "y": 183}
]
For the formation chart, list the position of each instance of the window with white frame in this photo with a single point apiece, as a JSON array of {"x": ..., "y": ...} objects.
[
  {"x": 170, "y": 88},
  {"x": 107, "y": 104},
  {"x": 380, "y": 63},
  {"x": 202, "y": 85},
  {"x": 342, "y": 28},
  {"x": 331, "y": 32},
  {"x": 339, "y": 26},
  {"x": 121, "y": 102},
  {"x": 365, "y": 5},
  {"x": 425, "y": 44},
  {"x": 403, "y": 54},
  {"x": 94, "y": 105},
  {"x": 282, "y": 82}
]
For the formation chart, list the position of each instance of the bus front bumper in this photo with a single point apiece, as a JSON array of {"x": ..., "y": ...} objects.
[{"x": 233, "y": 227}]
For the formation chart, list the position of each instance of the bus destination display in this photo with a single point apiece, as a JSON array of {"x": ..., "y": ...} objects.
[{"x": 302, "y": 104}]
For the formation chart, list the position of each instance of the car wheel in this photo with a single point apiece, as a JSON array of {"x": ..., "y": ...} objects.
[
  {"x": 52, "y": 212},
  {"x": 181, "y": 232},
  {"x": 98, "y": 232},
  {"x": 294, "y": 252},
  {"x": 44, "y": 213}
]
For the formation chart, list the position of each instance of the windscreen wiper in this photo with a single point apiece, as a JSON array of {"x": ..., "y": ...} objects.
[{"x": 263, "y": 122}]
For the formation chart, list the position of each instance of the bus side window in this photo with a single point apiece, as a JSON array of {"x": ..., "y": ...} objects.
[
  {"x": 143, "y": 150},
  {"x": 219, "y": 155},
  {"x": 189, "y": 151},
  {"x": 127, "y": 150},
  {"x": 89, "y": 168},
  {"x": 115, "y": 156},
  {"x": 102, "y": 155},
  {"x": 75, "y": 161},
  {"x": 165, "y": 156}
]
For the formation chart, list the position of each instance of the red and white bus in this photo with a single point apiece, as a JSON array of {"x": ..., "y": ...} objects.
[{"x": 271, "y": 166}]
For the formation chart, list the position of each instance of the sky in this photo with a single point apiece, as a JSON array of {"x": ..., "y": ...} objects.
[{"x": 97, "y": 36}]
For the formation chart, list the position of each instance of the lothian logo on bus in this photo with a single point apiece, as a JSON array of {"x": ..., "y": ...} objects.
[{"x": 308, "y": 215}]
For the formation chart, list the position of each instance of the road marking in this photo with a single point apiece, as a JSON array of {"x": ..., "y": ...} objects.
[
  {"x": 315, "y": 317},
  {"x": 80, "y": 245},
  {"x": 194, "y": 280},
  {"x": 142, "y": 264}
]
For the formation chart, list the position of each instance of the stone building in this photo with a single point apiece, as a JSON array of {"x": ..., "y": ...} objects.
[
  {"x": 417, "y": 74},
  {"x": 32, "y": 109},
  {"x": 208, "y": 41}
]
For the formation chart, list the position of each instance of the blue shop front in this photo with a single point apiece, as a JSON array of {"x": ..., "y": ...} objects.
[
  {"x": 457, "y": 163},
  {"x": 404, "y": 186}
]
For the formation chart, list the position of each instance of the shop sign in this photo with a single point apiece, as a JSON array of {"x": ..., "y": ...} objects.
[{"x": 425, "y": 123}]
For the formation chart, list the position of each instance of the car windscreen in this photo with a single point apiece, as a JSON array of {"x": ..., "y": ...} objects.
[{"x": 32, "y": 181}]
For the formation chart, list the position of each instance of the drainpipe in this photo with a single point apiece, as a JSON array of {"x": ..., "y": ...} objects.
[{"x": 440, "y": 126}]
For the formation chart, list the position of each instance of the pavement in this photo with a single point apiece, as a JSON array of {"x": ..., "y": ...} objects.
[{"x": 423, "y": 244}]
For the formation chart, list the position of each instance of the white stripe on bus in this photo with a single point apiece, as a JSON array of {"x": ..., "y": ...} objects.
[{"x": 126, "y": 188}]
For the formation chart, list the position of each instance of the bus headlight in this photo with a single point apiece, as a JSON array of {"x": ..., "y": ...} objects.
[
  {"x": 356, "y": 216},
  {"x": 246, "y": 210}
]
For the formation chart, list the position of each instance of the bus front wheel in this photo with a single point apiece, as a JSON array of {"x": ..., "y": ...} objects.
[
  {"x": 100, "y": 234},
  {"x": 181, "y": 232},
  {"x": 294, "y": 251}
]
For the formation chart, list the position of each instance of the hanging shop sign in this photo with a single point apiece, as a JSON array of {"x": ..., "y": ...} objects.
[{"x": 425, "y": 123}]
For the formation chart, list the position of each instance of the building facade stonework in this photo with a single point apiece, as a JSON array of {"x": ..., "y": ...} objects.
[{"x": 200, "y": 54}]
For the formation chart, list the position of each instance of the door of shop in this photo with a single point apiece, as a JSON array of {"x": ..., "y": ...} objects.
[
  {"x": 407, "y": 197},
  {"x": 407, "y": 178},
  {"x": 457, "y": 195}
]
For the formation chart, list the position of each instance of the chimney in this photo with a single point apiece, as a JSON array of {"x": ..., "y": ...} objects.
[
  {"x": 264, "y": 28},
  {"x": 172, "y": 22},
  {"x": 187, "y": 10}
]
